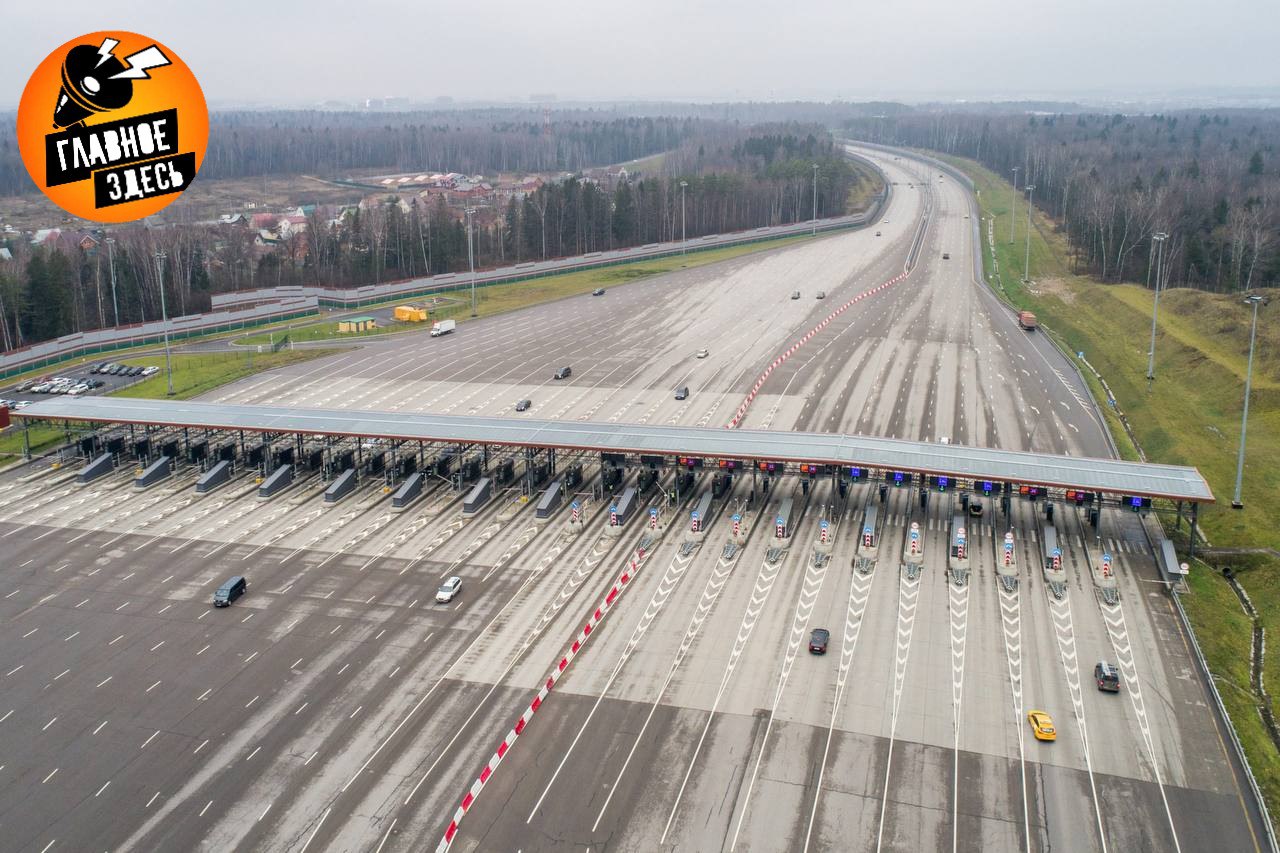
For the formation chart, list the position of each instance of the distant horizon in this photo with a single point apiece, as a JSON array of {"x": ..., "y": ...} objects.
[{"x": 1215, "y": 97}]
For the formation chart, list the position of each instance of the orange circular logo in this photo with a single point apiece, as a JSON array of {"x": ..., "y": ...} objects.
[{"x": 112, "y": 126}]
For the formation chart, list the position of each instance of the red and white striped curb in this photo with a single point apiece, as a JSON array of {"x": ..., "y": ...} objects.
[
  {"x": 777, "y": 362},
  {"x": 633, "y": 567}
]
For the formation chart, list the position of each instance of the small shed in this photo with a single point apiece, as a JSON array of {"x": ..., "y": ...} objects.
[{"x": 353, "y": 325}]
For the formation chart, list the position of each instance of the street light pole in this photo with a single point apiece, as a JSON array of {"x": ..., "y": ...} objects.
[
  {"x": 1158, "y": 238},
  {"x": 815, "y": 199},
  {"x": 683, "y": 238},
  {"x": 1248, "y": 379},
  {"x": 164, "y": 315},
  {"x": 1013, "y": 211},
  {"x": 471, "y": 257},
  {"x": 1026, "y": 268},
  {"x": 111, "y": 262}
]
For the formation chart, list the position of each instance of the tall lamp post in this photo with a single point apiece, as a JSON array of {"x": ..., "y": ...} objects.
[
  {"x": 164, "y": 316},
  {"x": 1255, "y": 301},
  {"x": 1158, "y": 238},
  {"x": 815, "y": 199},
  {"x": 471, "y": 258},
  {"x": 111, "y": 262},
  {"x": 1026, "y": 267},
  {"x": 1013, "y": 211},
  {"x": 683, "y": 238}
]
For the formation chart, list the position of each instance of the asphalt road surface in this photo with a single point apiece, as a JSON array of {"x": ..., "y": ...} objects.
[{"x": 337, "y": 706}]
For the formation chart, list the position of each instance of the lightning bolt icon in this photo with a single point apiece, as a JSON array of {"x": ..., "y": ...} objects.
[
  {"x": 104, "y": 50},
  {"x": 139, "y": 62}
]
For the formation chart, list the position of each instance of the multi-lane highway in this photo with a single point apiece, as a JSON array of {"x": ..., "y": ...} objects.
[{"x": 337, "y": 706}]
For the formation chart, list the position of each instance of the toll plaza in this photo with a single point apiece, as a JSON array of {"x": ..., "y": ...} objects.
[{"x": 342, "y": 446}]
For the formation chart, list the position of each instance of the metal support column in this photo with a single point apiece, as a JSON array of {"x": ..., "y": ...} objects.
[{"x": 1195, "y": 514}]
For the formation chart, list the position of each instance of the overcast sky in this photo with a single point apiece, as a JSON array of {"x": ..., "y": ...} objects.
[{"x": 284, "y": 52}]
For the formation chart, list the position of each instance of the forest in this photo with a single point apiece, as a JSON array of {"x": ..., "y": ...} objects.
[
  {"x": 733, "y": 177},
  {"x": 1210, "y": 181}
]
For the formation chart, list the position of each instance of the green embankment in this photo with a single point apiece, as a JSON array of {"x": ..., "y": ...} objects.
[{"x": 1190, "y": 415}]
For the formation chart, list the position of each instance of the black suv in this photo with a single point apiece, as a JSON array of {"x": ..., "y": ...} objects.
[
  {"x": 818, "y": 640},
  {"x": 564, "y": 373}
]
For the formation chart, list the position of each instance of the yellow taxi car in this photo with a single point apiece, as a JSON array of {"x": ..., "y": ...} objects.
[{"x": 1042, "y": 725}]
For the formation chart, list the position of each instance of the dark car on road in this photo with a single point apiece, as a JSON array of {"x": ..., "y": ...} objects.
[
  {"x": 564, "y": 373},
  {"x": 523, "y": 405},
  {"x": 818, "y": 640},
  {"x": 599, "y": 291},
  {"x": 975, "y": 509}
]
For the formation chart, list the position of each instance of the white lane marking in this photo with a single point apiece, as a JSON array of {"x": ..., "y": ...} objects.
[
  {"x": 1113, "y": 616},
  {"x": 1064, "y": 631},
  {"x": 759, "y": 596},
  {"x": 100, "y": 726},
  {"x": 317, "y": 829},
  {"x": 809, "y": 590},
  {"x": 671, "y": 579},
  {"x": 148, "y": 740},
  {"x": 859, "y": 592},
  {"x": 908, "y": 598}
]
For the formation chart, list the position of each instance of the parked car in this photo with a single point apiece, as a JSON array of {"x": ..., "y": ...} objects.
[
  {"x": 523, "y": 405},
  {"x": 795, "y": 294},
  {"x": 448, "y": 590},
  {"x": 26, "y": 386},
  {"x": 877, "y": 233},
  {"x": 946, "y": 256},
  {"x": 682, "y": 393},
  {"x": 150, "y": 370},
  {"x": 822, "y": 294},
  {"x": 135, "y": 371},
  {"x": 702, "y": 353},
  {"x": 1042, "y": 725},
  {"x": 818, "y": 640},
  {"x": 599, "y": 291},
  {"x": 564, "y": 373}
]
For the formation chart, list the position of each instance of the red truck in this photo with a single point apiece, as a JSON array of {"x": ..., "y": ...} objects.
[{"x": 1027, "y": 320}]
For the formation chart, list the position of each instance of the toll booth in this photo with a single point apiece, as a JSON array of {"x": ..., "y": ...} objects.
[
  {"x": 477, "y": 497},
  {"x": 283, "y": 456},
  {"x": 142, "y": 449},
  {"x": 621, "y": 510},
  {"x": 550, "y": 500},
  {"x": 870, "y": 537},
  {"x": 256, "y": 454},
  {"x": 314, "y": 459},
  {"x": 89, "y": 446},
  {"x": 1051, "y": 553},
  {"x": 344, "y": 459},
  {"x": 959, "y": 537},
  {"x": 227, "y": 452},
  {"x": 611, "y": 477},
  {"x": 443, "y": 463},
  {"x": 170, "y": 448},
  {"x": 573, "y": 476},
  {"x": 506, "y": 472},
  {"x": 782, "y": 523},
  {"x": 115, "y": 444},
  {"x": 700, "y": 516},
  {"x": 197, "y": 452}
]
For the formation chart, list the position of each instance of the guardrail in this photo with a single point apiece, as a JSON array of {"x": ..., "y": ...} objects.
[
  {"x": 50, "y": 353},
  {"x": 340, "y": 298}
]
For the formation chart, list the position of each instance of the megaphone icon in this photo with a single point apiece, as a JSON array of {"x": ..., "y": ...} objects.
[{"x": 90, "y": 85}]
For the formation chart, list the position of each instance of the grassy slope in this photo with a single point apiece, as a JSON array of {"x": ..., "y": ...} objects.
[{"x": 1190, "y": 415}]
